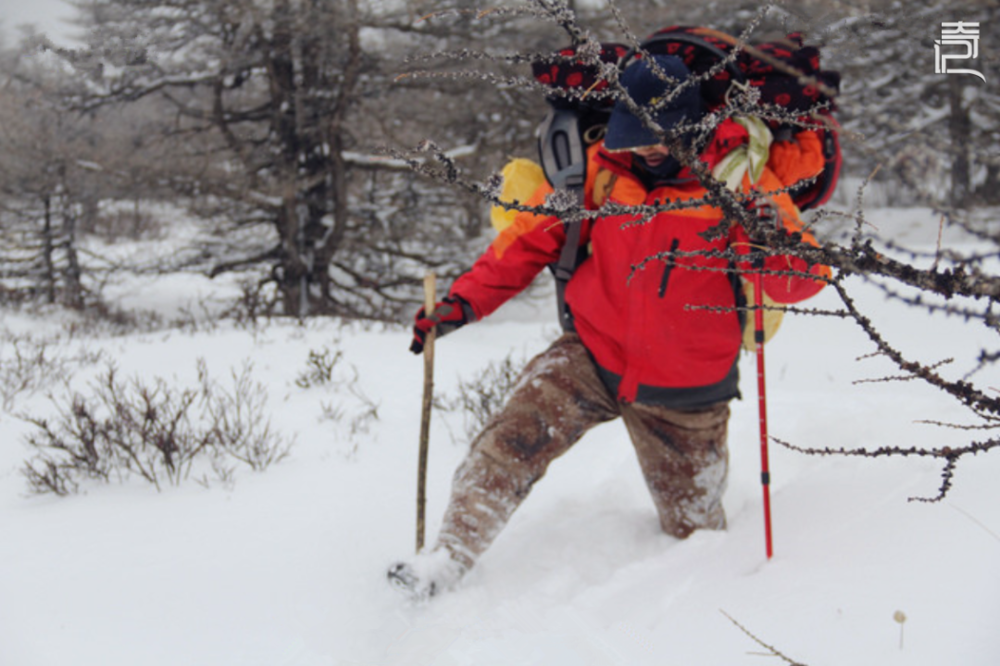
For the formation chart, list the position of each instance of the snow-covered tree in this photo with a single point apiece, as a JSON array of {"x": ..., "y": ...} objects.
[
  {"x": 275, "y": 110},
  {"x": 43, "y": 180},
  {"x": 935, "y": 132}
]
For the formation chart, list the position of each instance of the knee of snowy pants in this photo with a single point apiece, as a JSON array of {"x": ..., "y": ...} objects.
[{"x": 685, "y": 462}]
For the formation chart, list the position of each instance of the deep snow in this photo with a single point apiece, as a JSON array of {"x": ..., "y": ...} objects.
[{"x": 286, "y": 567}]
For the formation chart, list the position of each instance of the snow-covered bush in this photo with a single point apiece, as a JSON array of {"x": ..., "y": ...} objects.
[
  {"x": 29, "y": 364},
  {"x": 320, "y": 366},
  {"x": 149, "y": 429},
  {"x": 353, "y": 412},
  {"x": 482, "y": 396}
]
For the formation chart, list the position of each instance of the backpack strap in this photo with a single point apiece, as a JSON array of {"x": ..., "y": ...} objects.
[
  {"x": 572, "y": 124},
  {"x": 563, "y": 271},
  {"x": 563, "y": 155},
  {"x": 564, "y": 160}
]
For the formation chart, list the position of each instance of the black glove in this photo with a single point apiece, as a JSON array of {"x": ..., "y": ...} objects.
[{"x": 451, "y": 314}]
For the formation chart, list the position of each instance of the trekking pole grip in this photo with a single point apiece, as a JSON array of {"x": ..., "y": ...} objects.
[{"x": 430, "y": 296}]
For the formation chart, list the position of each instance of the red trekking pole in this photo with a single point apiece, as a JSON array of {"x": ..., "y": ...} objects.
[{"x": 765, "y": 472}]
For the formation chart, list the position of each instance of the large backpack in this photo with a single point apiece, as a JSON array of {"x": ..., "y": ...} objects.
[{"x": 786, "y": 73}]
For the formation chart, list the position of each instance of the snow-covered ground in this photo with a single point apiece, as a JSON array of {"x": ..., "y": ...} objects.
[{"x": 286, "y": 567}]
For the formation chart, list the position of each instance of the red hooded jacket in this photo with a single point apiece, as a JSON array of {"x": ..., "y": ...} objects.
[{"x": 661, "y": 331}]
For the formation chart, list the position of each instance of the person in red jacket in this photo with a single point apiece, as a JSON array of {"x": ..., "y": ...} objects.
[{"x": 658, "y": 327}]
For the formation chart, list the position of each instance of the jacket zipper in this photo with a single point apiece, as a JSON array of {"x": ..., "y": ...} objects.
[{"x": 668, "y": 268}]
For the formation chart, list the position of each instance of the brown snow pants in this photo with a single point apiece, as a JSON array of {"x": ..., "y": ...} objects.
[{"x": 558, "y": 397}]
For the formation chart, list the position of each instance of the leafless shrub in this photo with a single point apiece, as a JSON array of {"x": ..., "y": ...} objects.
[
  {"x": 481, "y": 397},
  {"x": 151, "y": 430},
  {"x": 130, "y": 223},
  {"x": 353, "y": 410},
  {"x": 357, "y": 419},
  {"x": 103, "y": 318},
  {"x": 257, "y": 300},
  {"x": 10, "y": 296},
  {"x": 29, "y": 364},
  {"x": 239, "y": 425},
  {"x": 250, "y": 310},
  {"x": 320, "y": 367},
  {"x": 196, "y": 317},
  {"x": 125, "y": 429}
]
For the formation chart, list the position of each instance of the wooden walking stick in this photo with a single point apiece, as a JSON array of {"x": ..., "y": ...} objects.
[{"x": 425, "y": 410}]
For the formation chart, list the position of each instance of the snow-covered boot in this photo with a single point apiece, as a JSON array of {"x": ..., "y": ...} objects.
[{"x": 426, "y": 574}]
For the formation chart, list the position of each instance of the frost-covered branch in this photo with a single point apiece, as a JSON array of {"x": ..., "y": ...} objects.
[{"x": 950, "y": 456}]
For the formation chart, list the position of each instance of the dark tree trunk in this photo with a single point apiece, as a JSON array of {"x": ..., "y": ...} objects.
[
  {"x": 73, "y": 285},
  {"x": 960, "y": 131},
  {"x": 311, "y": 221},
  {"x": 48, "y": 252},
  {"x": 989, "y": 192}
]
